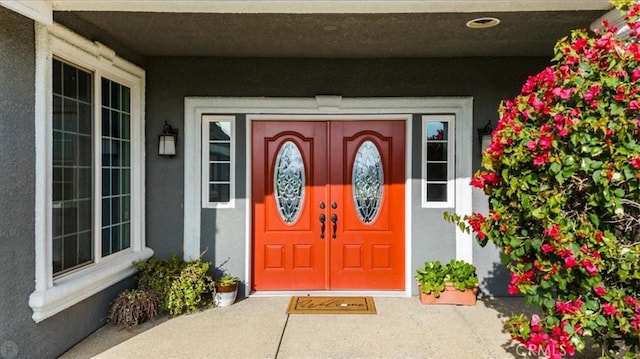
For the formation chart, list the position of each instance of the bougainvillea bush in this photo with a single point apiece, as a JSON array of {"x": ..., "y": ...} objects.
[{"x": 562, "y": 175}]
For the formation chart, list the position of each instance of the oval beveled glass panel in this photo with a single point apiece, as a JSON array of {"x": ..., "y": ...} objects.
[
  {"x": 367, "y": 180},
  {"x": 288, "y": 182}
]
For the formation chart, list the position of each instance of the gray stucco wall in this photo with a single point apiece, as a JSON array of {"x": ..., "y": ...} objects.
[
  {"x": 53, "y": 336},
  {"x": 171, "y": 79}
]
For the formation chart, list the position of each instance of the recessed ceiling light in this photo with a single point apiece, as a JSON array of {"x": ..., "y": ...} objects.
[{"x": 483, "y": 22}]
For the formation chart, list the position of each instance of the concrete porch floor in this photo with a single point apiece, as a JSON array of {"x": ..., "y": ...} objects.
[{"x": 259, "y": 327}]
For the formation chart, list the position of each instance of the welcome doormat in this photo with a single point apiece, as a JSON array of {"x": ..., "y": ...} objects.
[{"x": 331, "y": 305}]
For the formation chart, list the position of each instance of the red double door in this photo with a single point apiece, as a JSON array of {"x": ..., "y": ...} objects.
[{"x": 328, "y": 205}]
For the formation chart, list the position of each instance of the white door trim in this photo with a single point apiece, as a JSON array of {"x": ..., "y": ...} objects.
[{"x": 321, "y": 107}]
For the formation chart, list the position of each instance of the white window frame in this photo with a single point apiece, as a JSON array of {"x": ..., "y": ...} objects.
[
  {"x": 206, "y": 121},
  {"x": 451, "y": 165},
  {"x": 52, "y": 295}
]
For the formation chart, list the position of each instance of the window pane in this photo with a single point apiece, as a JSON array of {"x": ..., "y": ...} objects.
[
  {"x": 126, "y": 235},
  {"x": 70, "y": 81},
  {"x": 85, "y": 118},
  {"x": 84, "y": 183},
  {"x": 106, "y": 122},
  {"x": 106, "y": 153},
  {"x": 125, "y": 156},
  {"x": 84, "y": 215},
  {"x": 437, "y": 130},
  {"x": 219, "y": 151},
  {"x": 70, "y": 115},
  {"x": 115, "y": 182},
  {"x": 106, "y": 94},
  {"x": 219, "y": 192},
  {"x": 115, "y": 153},
  {"x": 115, "y": 95},
  {"x": 57, "y": 184},
  {"x": 436, "y": 172},
  {"x": 125, "y": 184},
  {"x": 437, "y": 151},
  {"x": 437, "y": 192},
  {"x": 106, "y": 212},
  {"x": 70, "y": 217},
  {"x": 57, "y": 112},
  {"x": 106, "y": 241},
  {"x": 84, "y": 155},
  {"x": 84, "y": 87},
  {"x": 126, "y": 99},
  {"x": 126, "y": 130},
  {"x": 70, "y": 253},
  {"x": 85, "y": 254},
  {"x": 115, "y": 124},
  {"x": 57, "y": 255},
  {"x": 106, "y": 182},
  {"x": 220, "y": 131},
  {"x": 57, "y": 77},
  {"x": 115, "y": 210},
  {"x": 126, "y": 208},
  {"x": 219, "y": 171}
]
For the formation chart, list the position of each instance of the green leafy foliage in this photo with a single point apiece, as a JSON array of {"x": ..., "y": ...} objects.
[
  {"x": 227, "y": 280},
  {"x": 433, "y": 276},
  {"x": 562, "y": 174},
  {"x": 133, "y": 307},
  {"x": 182, "y": 286}
]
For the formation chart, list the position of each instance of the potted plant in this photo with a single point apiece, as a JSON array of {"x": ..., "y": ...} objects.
[
  {"x": 454, "y": 283},
  {"x": 226, "y": 290}
]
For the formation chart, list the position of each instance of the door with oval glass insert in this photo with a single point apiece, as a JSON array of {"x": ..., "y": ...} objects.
[{"x": 328, "y": 205}]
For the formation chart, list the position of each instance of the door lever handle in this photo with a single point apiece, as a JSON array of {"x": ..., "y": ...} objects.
[
  {"x": 323, "y": 219},
  {"x": 334, "y": 221}
]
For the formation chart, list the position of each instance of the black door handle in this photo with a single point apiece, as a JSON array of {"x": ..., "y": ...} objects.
[
  {"x": 323, "y": 219},
  {"x": 334, "y": 220}
]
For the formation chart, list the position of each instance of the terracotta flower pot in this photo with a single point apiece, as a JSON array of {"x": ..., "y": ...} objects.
[{"x": 450, "y": 295}]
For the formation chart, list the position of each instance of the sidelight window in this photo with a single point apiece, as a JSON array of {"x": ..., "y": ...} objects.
[
  {"x": 438, "y": 168},
  {"x": 218, "y": 189}
]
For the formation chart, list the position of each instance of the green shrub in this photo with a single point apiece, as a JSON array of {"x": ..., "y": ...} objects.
[
  {"x": 191, "y": 290},
  {"x": 182, "y": 286}
]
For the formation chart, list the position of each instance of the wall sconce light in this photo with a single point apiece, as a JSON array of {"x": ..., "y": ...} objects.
[
  {"x": 484, "y": 136},
  {"x": 167, "y": 141}
]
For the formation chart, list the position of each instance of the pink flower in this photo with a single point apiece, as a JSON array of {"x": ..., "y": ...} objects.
[
  {"x": 609, "y": 309},
  {"x": 594, "y": 90},
  {"x": 630, "y": 301},
  {"x": 564, "y": 94},
  {"x": 634, "y": 105},
  {"x": 547, "y": 248},
  {"x": 531, "y": 145},
  {"x": 545, "y": 141},
  {"x": 512, "y": 289},
  {"x": 589, "y": 267},
  {"x": 600, "y": 291},
  {"x": 635, "y": 75},
  {"x": 635, "y": 163},
  {"x": 541, "y": 159},
  {"x": 570, "y": 262},
  {"x": 535, "y": 320},
  {"x": 553, "y": 231}
]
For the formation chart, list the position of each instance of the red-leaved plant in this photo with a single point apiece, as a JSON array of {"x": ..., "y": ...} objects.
[{"x": 562, "y": 175}]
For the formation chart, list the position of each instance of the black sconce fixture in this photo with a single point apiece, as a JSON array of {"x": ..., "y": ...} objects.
[
  {"x": 167, "y": 141},
  {"x": 484, "y": 136}
]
